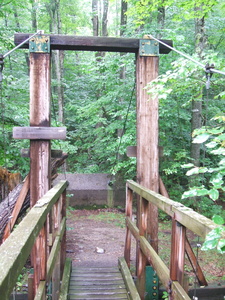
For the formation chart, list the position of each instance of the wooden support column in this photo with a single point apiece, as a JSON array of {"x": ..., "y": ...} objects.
[
  {"x": 40, "y": 151},
  {"x": 147, "y": 137},
  {"x": 129, "y": 205},
  {"x": 178, "y": 240}
]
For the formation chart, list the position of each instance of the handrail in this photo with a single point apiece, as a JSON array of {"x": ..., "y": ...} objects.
[
  {"x": 17, "y": 248},
  {"x": 182, "y": 218},
  {"x": 186, "y": 216}
]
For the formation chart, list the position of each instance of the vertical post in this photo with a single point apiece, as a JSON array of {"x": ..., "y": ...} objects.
[
  {"x": 147, "y": 63},
  {"x": 63, "y": 243},
  {"x": 39, "y": 151},
  {"x": 178, "y": 240},
  {"x": 129, "y": 204}
]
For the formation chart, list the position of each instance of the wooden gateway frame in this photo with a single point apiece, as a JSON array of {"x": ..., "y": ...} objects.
[{"x": 40, "y": 133}]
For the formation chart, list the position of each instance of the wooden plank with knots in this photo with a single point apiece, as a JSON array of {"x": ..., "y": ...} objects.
[{"x": 39, "y": 133}]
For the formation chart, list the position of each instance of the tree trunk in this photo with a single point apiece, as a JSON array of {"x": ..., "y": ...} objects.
[
  {"x": 58, "y": 56},
  {"x": 95, "y": 20},
  {"x": 7, "y": 205},
  {"x": 105, "y": 18}
]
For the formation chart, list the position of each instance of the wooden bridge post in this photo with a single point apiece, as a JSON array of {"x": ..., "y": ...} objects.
[
  {"x": 40, "y": 150},
  {"x": 147, "y": 135}
]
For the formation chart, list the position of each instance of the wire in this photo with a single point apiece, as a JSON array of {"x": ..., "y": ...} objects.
[
  {"x": 18, "y": 46},
  {"x": 185, "y": 55}
]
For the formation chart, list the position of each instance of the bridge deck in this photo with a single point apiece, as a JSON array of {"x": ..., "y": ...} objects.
[{"x": 97, "y": 283}]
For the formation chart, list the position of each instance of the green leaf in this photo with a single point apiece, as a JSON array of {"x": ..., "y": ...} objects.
[
  {"x": 218, "y": 220},
  {"x": 213, "y": 194},
  {"x": 201, "y": 138},
  {"x": 202, "y": 192},
  {"x": 221, "y": 246},
  {"x": 191, "y": 193},
  {"x": 193, "y": 171},
  {"x": 186, "y": 166}
]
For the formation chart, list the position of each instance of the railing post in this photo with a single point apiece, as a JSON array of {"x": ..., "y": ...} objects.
[
  {"x": 129, "y": 205},
  {"x": 177, "y": 251},
  {"x": 141, "y": 259},
  {"x": 63, "y": 242}
]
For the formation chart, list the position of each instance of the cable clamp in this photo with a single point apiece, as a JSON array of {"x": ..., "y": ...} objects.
[{"x": 208, "y": 74}]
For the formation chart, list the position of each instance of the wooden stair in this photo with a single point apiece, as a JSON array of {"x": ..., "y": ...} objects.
[{"x": 97, "y": 283}]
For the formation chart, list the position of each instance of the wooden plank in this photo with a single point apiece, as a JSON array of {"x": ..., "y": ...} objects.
[
  {"x": 177, "y": 252},
  {"x": 132, "y": 291},
  {"x": 91, "y": 43},
  {"x": 54, "y": 153},
  {"x": 39, "y": 133},
  {"x": 158, "y": 265},
  {"x": 195, "y": 265},
  {"x": 129, "y": 205},
  {"x": 55, "y": 250},
  {"x": 17, "y": 207},
  {"x": 184, "y": 215},
  {"x": 65, "y": 280},
  {"x": 40, "y": 294},
  {"x": 21, "y": 240}
]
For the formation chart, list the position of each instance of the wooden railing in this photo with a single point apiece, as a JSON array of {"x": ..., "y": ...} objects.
[
  {"x": 14, "y": 252},
  {"x": 182, "y": 218}
]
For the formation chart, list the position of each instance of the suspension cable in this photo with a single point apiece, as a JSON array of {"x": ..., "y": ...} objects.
[
  {"x": 18, "y": 46},
  {"x": 212, "y": 70}
]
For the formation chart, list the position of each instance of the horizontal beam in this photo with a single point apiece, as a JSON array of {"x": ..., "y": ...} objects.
[
  {"x": 91, "y": 43},
  {"x": 54, "y": 153},
  {"x": 16, "y": 249},
  {"x": 186, "y": 216},
  {"x": 39, "y": 133}
]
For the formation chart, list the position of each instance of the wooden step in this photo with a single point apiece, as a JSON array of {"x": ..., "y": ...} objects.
[{"x": 97, "y": 283}]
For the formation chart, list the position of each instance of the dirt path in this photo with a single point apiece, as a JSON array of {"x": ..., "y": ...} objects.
[{"x": 92, "y": 241}]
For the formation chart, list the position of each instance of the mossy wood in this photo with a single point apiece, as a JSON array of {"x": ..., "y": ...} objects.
[
  {"x": 131, "y": 288},
  {"x": 16, "y": 249},
  {"x": 192, "y": 220},
  {"x": 65, "y": 279}
]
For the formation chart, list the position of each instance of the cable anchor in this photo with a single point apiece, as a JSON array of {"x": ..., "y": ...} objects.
[{"x": 208, "y": 74}]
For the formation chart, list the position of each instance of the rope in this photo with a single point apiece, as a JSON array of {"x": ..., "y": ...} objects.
[{"x": 212, "y": 70}]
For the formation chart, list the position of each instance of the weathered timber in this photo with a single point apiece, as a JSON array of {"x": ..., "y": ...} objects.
[
  {"x": 129, "y": 205},
  {"x": 17, "y": 207},
  {"x": 195, "y": 265},
  {"x": 91, "y": 43},
  {"x": 54, "y": 153},
  {"x": 39, "y": 133},
  {"x": 184, "y": 215},
  {"x": 65, "y": 279},
  {"x": 177, "y": 252},
  {"x": 16, "y": 249},
  {"x": 156, "y": 262},
  {"x": 97, "y": 283},
  {"x": 8, "y": 204},
  {"x": 128, "y": 280}
]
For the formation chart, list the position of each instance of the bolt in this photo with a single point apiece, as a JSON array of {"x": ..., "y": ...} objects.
[{"x": 156, "y": 44}]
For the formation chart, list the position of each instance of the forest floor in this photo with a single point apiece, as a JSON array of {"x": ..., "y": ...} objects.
[{"x": 97, "y": 238}]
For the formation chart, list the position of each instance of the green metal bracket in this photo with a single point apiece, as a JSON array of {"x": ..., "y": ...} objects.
[
  {"x": 148, "y": 47},
  {"x": 151, "y": 284},
  {"x": 40, "y": 44}
]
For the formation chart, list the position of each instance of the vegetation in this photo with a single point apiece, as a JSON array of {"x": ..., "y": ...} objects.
[{"x": 93, "y": 93}]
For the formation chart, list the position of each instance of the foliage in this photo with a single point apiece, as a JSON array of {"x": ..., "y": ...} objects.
[{"x": 215, "y": 238}]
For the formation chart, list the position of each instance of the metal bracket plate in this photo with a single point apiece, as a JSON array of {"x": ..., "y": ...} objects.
[
  {"x": 152, "y": 284},
  {"x": 40, "y": 44},
  {"x": 148, "y": 47}
]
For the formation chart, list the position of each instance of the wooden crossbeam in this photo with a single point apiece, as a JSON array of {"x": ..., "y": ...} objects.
[
  {"x": 91, "y": 43},
  {"x": 39, "y": 133},
  {"x": 54, "y": 153}
]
